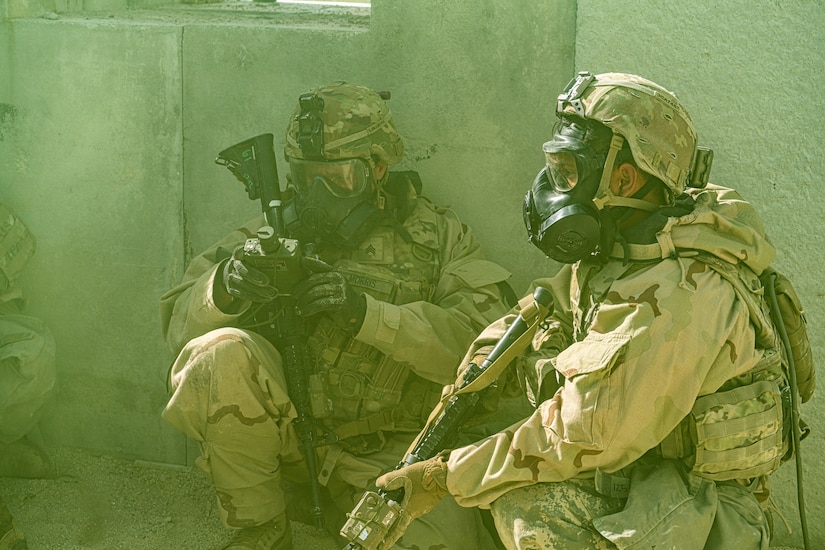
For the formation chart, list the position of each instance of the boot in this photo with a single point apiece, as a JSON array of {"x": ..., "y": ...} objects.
[
  {"x": 11, "y": 537},
  {"x": 273, "y": 535},
  {"x": 22, "y": 458}
]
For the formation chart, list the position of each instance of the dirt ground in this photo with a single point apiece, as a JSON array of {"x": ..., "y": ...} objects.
[
  {"x": 105, "y": 503},
  {"x": 100, "y": 502}
]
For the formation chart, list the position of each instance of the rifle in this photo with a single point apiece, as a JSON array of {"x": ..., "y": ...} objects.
[
  {"x": 253, "y": 162},
  {"x": 378, "y": 511}
]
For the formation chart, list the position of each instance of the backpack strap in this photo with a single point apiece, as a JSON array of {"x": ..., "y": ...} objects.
[{"x": 750, "y": 290}]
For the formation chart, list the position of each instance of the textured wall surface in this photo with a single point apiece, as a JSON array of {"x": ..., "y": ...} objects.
[
  {"x": 750, "y": 74},
  {"x": 91, "y": 161},
  {"x": 113, "y": 120}
]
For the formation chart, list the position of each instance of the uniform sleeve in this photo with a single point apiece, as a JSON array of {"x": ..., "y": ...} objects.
[
  {"x": 433, "y": 336},
  {"x": 189, "y": 309},
  {"x": 654, "y": 345}
]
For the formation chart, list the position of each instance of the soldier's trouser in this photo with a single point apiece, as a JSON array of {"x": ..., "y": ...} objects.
[
  {"x": 664, "y": 510},
  {"x": 553, "y": 515},
  {"x": 229, "y": 395}
]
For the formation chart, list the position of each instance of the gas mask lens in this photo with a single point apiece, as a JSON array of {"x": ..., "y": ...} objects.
[
  {"x": 570, "y": 161},
  {"x": 562, "y": 170},
  {"x": 342, "y": 178}
]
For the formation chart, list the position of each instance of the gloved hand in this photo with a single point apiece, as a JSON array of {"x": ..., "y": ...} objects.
[
  {"x": 246, "y": 283},
  {"x": 325, "y": 290},
  {"x": 424, "y": 484}
]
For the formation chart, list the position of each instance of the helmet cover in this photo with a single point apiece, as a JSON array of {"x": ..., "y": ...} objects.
[
  {"x": 357, "y": 123},
  {"x": 655, "y": 125}
]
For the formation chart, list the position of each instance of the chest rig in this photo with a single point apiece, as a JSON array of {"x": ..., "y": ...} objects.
[{"x": 356, "y": 389}]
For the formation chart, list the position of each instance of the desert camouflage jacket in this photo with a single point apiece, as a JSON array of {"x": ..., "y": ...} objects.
[
  {"x": 454, "y": 296},
  {"x": 635, "y": 341}
]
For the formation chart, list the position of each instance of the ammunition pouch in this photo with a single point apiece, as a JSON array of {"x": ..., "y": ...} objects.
[
  {"x": 357, "y": 391},
  {"x": 741, "y": 431}
]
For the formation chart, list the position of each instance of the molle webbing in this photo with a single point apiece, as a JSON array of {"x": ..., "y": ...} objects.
[{"x": 384, "y": 420}]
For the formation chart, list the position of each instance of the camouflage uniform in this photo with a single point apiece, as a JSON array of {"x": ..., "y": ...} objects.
[
  {"x": 427, "y": 297},
  {"x": 640, "y": 344},
  {"x": 658, "y": 380},
  {"x": 27, "y": 369}
]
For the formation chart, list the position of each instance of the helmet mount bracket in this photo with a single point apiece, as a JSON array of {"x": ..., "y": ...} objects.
[
  {"x": 311, "y": 126},
  {"x": 573, "y": 91}
]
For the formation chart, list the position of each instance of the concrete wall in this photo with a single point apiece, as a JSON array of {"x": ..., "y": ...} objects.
[
  {"x": 113, "y": 121},
  {"x": 750, "y": 74},
  {"x": 110, "y": 122}
]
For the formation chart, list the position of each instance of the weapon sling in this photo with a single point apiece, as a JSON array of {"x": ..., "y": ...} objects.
[
  {"x": 377, "y": 512},
  {"x": 533, "y": 309}
]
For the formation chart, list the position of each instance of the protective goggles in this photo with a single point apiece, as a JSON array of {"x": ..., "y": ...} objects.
[
  {"x": 570, "y": 161},
  {"x": 342, "y": 178}
]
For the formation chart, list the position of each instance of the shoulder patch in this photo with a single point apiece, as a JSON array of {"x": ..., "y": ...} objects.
[{"x": 422, "y": 224}]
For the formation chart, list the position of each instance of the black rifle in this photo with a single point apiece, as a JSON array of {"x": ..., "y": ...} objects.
[
  {"x": 253, "y": 162},
  {"x": 377, "y": 512}
]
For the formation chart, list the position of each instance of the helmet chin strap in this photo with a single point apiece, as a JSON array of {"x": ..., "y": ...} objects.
[{"x": 606, "y": 197}]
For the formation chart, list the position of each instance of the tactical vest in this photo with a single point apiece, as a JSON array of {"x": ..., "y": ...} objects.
[
  {"x": 743, "y": 430},
  {"x": 357, "y": 390}
]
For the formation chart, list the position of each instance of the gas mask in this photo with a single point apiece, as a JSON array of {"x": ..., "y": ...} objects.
[
  {"x": 335, "y": 197},
  {"x": 334, "y": 201},
  {"x": 565, "y": 211},
  {"x": 561, "y": 217}
]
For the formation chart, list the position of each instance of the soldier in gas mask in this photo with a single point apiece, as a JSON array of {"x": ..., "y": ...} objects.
[
  {"x": 407, "y": 291},
  {"x": 661, "y": 395}
]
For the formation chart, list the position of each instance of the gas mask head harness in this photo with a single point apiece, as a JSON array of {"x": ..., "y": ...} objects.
[
  {"x": 565, "y": 211},
  {"x": 334, "y": 141}
]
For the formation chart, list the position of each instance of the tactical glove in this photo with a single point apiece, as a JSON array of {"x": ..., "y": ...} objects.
[
  {"x": 243, "y": 282},
  {"x": 424, "y": 484},
  {"x": 325, "y": 290}
]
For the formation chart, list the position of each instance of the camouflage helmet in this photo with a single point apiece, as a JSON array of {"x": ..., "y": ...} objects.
[
  {"x": 653, "y": 122},
  {"x": 357, "y": 123}
]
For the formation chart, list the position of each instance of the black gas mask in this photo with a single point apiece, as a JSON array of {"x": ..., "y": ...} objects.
[
  {"x": 335, "y": 200},
  {"x": 561, "y": 218}
]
